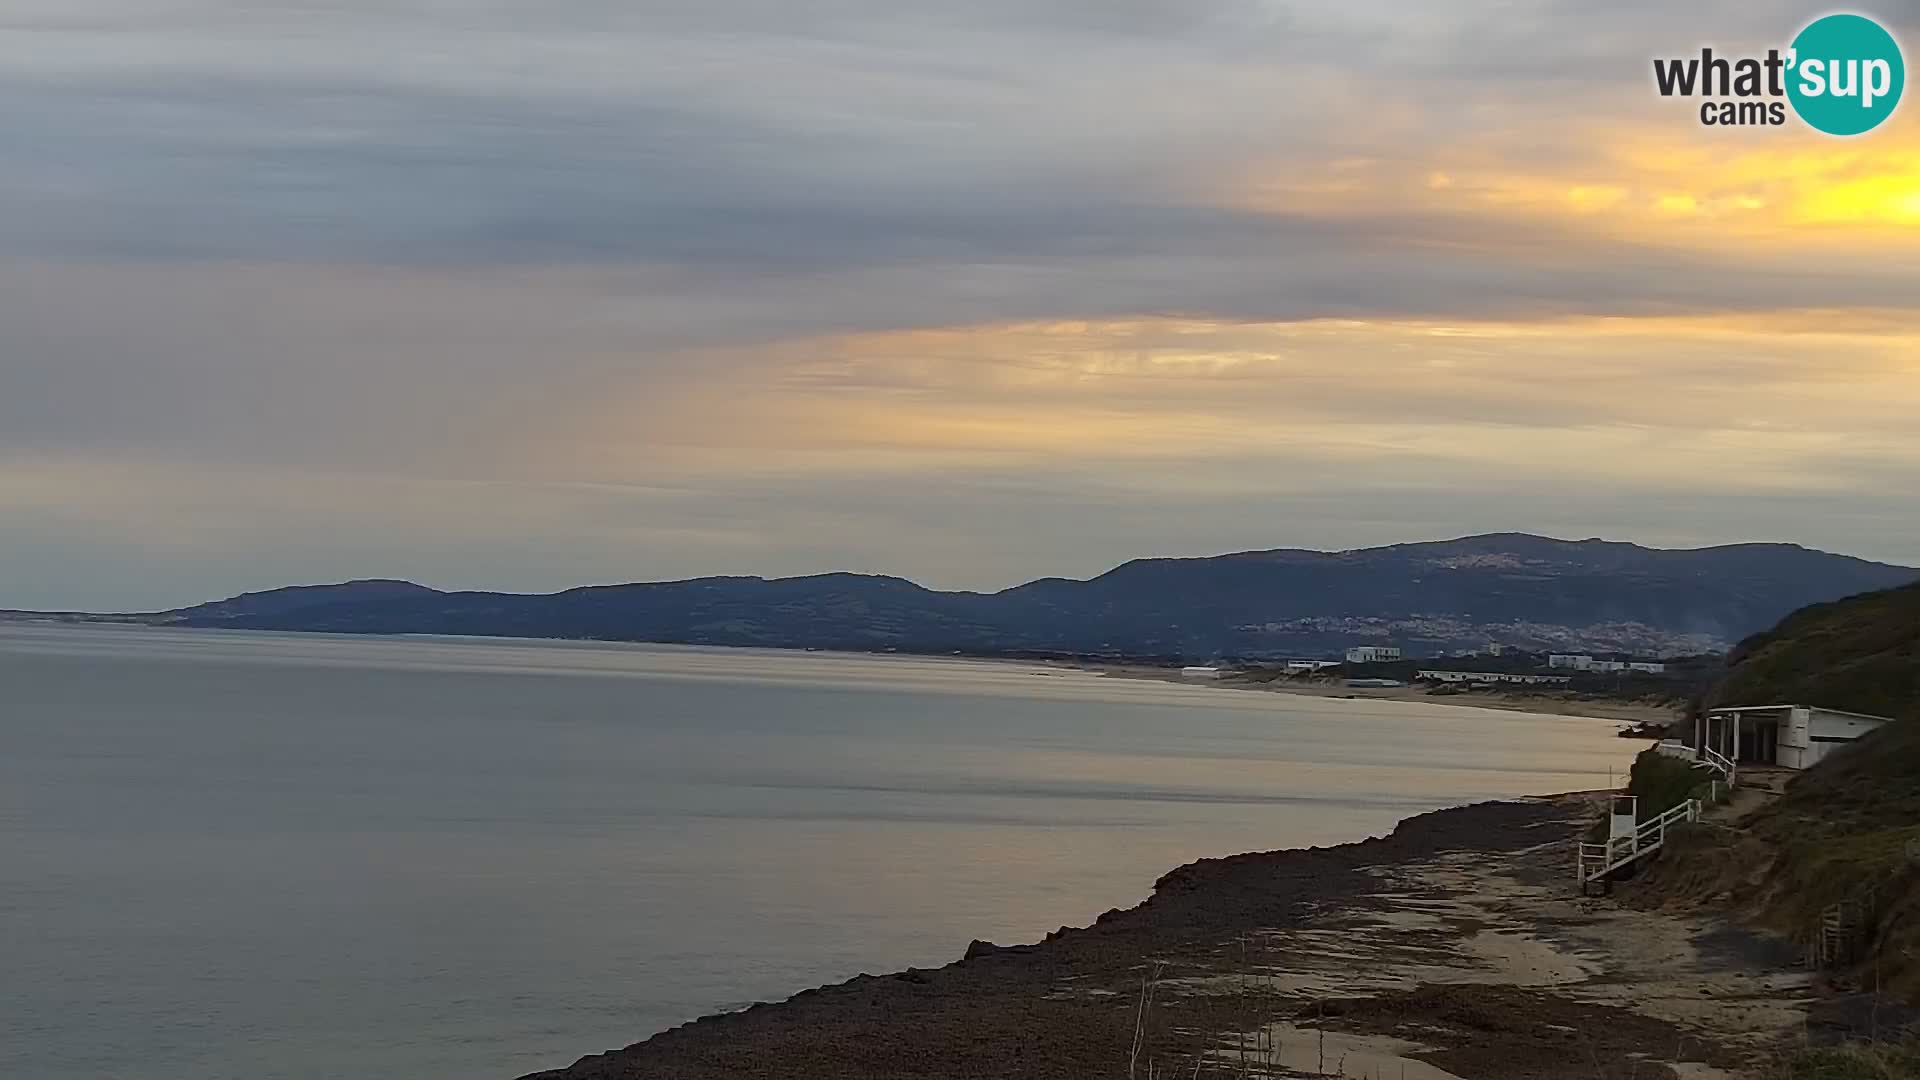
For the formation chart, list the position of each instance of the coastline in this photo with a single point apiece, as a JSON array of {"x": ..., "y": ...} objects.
[
  {"x": 1504, "y": 701},
  {"x": 1456, "y": 948},
  {"x": 1630, "y": 712}
]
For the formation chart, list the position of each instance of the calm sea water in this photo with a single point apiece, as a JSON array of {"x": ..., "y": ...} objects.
[{"x": 229, "y": 855}]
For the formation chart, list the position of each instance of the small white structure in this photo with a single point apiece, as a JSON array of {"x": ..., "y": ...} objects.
[
  {"x": 1583, "y": 662},
  {"x": 1790, "y": 736},
  {"x": 1623, "y": 816},
  {"x": 1199, "y": 672},
  {"x": 1373, "y": 654},
  {"x": 1629, "y": 838},
  {"x": 1307, "y": 667},
  {"x": 1518, "y": 677}
]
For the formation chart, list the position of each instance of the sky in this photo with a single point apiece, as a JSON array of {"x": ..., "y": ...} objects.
[{"x": 527, "y": 294}]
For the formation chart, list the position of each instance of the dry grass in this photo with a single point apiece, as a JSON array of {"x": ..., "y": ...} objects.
[{"x": 1853, "y": 1061}]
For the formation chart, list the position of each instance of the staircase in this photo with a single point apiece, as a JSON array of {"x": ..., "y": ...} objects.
[
  {"x": 1597, "y": 861},
  {"x": 1844, "y": 929},
  {"x": 1715, "y": 759},
  {"x": 1630, "y": 842},
  {"x": 1839, "y": 934}
]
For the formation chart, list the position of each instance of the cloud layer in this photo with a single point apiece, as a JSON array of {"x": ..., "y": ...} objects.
[{"x": 527, "y": 295}]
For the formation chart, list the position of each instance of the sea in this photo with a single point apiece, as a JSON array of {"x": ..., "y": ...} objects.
[{"x": 230, "y": 855}]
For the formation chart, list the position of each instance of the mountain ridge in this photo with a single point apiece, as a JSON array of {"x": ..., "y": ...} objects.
[{"x": 1432, "y": 596}]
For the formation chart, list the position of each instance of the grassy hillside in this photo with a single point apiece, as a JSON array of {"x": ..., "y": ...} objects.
[
  {"x": 1849, "y": 830},
  {"x": 1846, "y": 831},
  {"x": 1871, "y": 785},
  {"x": 1861, "y": 653}
]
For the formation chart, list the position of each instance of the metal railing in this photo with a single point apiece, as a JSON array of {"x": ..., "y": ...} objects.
[
  {"x": 1599, "y": 860},
  {"x": 1705, "y": 755},
  {"x": 1674, "y": 748},
  {"x": 1715, "y": 758}
]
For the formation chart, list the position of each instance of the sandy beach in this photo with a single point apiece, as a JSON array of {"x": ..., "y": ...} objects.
[{"x": 1511, "y": 701}]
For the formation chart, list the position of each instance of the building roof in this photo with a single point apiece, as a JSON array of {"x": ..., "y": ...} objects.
[{"x": 1817, "y": 708}]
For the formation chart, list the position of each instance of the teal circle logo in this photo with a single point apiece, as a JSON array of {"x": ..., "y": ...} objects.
[{"x": 1846, "y": 74}]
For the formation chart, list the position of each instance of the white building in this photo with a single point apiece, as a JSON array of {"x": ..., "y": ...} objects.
[
  {"x": 1373, "y": 654},
  {"x": 1583, "y": 662},
  {"x": 1515, "y": 677},
  {"x": 1199, "y": 672},
  {"x": 1791, "y": 736},
  {"x": 1307, "y": 667}
]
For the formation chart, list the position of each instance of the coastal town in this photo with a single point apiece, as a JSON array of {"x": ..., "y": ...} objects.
[{"x": 1381, "y": 667}]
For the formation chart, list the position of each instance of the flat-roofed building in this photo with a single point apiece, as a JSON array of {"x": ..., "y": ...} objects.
[
  {"x": 1517, "y": 678},
  {"x": 1373, "y": 654},
  {"x": 1790, "y": 736}
]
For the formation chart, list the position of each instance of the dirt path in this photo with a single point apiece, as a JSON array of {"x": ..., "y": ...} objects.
[{"x": 1479, "y": 959}]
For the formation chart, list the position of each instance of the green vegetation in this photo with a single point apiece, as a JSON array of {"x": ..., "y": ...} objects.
[
  {"x": 1871, "y": 785},
  {"x": 1849, "y": 831},
  {"x": 1662, "y": 783},
  {"x": 1854, "y": 1061},
  {"x": 1659, "y": 783},
  {"x": 1861, "y": 653},
  {"x": 1845, "y": 833},
  {"x": 1845, "y": 837}
]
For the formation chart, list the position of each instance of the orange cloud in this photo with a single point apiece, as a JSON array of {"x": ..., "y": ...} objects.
[
  {"x": 1657, "y": 181},
  {"x": 1757, "y": 400}
]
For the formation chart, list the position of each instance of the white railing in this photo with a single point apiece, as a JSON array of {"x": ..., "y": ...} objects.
[
  {"x": 1599, "y": 860},
  {"x": 1720, "y": 761},
  {"x": 1674, "y": 748},
  {"x": 1705, "y": 755}
]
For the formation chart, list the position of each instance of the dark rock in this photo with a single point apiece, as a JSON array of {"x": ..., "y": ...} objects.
[{"x": 977, "y": 949}]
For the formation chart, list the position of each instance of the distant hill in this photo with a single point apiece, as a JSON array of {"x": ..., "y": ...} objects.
[
  {"x": 1521, "y": 590},
  {"x": 1861, "y": 653}
]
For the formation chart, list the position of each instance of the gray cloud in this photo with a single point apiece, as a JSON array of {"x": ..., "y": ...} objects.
[
  {"x": 781, "y": 138},
  {"x": 257, "y": 247},
  {"x": 759, "y": 135}
]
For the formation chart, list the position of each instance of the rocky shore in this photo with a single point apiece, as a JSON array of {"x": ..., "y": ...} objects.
[{"x": 1457, "y": 947}]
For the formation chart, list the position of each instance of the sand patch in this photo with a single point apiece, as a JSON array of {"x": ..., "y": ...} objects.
[
  {"x": 1524, "y": 960},
  {"x": 1291, "y": 1051},
  {"x": 1461, "y": 919}
]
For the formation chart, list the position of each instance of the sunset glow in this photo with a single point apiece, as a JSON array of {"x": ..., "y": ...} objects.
[{"x": 591, "y": 296}]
